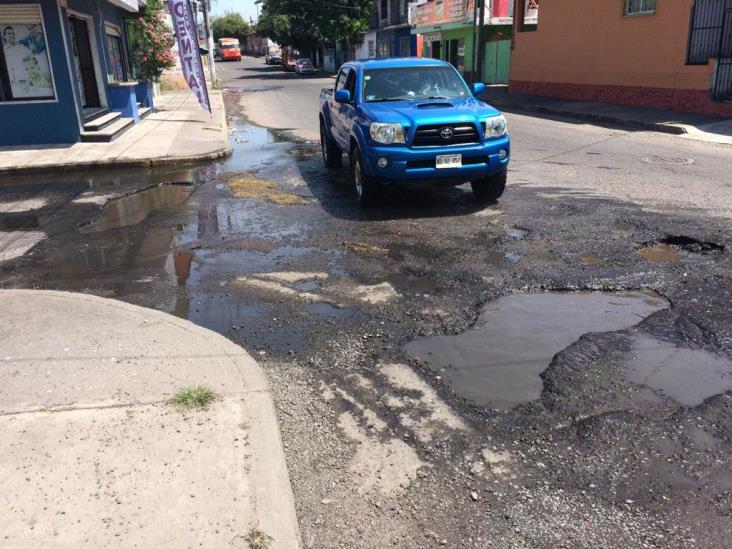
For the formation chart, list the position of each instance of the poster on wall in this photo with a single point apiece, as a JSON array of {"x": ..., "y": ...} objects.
[{"x": 26, "y": 60}]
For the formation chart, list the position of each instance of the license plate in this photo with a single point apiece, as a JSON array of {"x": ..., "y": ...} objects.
[{"x": 449, "y": 161}]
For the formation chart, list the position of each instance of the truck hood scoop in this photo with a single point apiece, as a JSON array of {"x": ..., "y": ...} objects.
[{"x": 434, "y": 105}]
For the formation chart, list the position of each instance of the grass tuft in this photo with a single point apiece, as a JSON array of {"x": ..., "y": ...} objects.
[
  {"x": 256, "y": 539},
  {"x": 193, "y": 397}
]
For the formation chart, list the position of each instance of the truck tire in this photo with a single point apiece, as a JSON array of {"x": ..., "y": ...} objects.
[
  {"x": 332, "y": 154},
  {"x": 364, "y": 188},
  {"x": 489, "y": 189}
]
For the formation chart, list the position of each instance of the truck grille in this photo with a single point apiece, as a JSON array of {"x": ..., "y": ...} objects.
[{"x": 444, "y": 135}]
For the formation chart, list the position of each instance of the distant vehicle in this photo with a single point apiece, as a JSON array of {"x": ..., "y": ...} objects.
[
  {"x": 230, "y": 50},
  {"x": 413, "y": 122},
  {"x": 304, "y": 66},
  {"x": 273, "y": 59},
  {"x": 289, "y": 64}
]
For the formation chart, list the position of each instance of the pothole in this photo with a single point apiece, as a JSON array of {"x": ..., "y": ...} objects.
[
  {"x": 659, "y": 253},
  {"x": 686, "y": 375},
  {"x": 668, "y": 160},
  {"x": 135, "y": 208},
  {"x": 669, "y": 248},
  {"x": 499, "y": 361},
  {"x": 692, "y": 244}
]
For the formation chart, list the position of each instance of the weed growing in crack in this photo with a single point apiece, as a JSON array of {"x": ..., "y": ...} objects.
[
  {"x": 256, "y": 539},
  {"x": 193, "y": 397}
]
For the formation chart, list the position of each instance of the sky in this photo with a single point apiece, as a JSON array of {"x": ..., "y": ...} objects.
[{"x": 245, "y": 7}]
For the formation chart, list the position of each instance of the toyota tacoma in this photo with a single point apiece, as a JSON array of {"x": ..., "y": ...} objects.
[{"x": 412, "y": 122}]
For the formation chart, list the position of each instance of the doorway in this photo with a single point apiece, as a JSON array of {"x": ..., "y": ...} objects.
[
  {"x": 436, "y": 50},
  {"x": 497, "y": 61},
  {"x": 81, "y": 44}
]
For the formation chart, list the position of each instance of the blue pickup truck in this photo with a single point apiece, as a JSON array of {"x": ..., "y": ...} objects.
[{"x": 412, "y": 122}]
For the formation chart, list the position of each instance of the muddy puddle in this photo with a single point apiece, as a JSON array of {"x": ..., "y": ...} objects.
[
  {"x": 687, "y": 376},
  {"x": 135, "y": 208},
  {"x": 498, "y": 363},
  {"x": 659, "y": 253},
  {"x": 253, "y": 147}
]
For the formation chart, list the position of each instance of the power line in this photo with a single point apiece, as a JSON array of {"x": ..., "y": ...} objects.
[{"x": 324, "y": 4}]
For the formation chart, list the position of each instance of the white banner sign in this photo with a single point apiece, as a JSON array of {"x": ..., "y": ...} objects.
[{"x": 184, "y": 25}]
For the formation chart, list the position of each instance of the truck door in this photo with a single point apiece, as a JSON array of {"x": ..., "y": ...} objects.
[{"x": 337, "y": 122}]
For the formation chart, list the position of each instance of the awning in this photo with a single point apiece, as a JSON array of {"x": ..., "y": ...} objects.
[{"x": 129, "y": 5}]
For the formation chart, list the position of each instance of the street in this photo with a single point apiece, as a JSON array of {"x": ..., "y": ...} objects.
[{"x": 599, "y": 277}]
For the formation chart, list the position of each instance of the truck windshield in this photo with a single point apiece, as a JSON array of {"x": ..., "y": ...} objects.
[
  {"x": 229, "y": 46},
  {"x": 408, "y": 83}
]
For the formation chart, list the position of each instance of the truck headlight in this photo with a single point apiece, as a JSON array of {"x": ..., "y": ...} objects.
[
  {"x": 387, "y": 133},
  {"x": 495, "y": 126}
]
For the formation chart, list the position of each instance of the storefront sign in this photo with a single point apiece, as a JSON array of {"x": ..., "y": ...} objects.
[
  {"x": 184, "y": 26},
  {"x": 26, "y": 60}
]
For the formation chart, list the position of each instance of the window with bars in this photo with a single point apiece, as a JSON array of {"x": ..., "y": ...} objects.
[
  {"x": 116, "y": 59},
  {"x": 640, "y": 7}
]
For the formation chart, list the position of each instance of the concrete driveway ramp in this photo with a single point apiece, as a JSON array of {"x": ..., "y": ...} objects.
[{"x": 91, "y": 453}]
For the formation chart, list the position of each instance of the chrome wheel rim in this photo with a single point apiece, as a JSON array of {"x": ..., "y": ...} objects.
[{"x": 357, "y": 179}]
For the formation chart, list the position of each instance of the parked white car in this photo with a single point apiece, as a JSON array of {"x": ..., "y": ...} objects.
[{"x": 304, "y": 66}]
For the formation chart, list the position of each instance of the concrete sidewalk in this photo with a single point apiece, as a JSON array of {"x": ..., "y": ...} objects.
[
  {"x": 179, "y": 131},
  {"x": 693, "y": 126},
  {"x": 92, "y": 455}
]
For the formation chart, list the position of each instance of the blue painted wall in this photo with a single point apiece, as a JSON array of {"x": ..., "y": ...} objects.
[
  {"x": 35, "y": 122},
  {"x": 394, "y": 35}
]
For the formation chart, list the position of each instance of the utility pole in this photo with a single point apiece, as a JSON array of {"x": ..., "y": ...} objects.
[
  {"x": 474, "y": 68},
  {"x": 209, "y": 41},
  {"x": 480, "y": 45}
]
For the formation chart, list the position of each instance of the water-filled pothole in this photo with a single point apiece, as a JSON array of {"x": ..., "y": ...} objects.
[
  {"x": 659, "y": 253},
  {"x": 686, "y": 375},
  {"x": 135, "y": 208},
  {"x": 499, "y": 361}
]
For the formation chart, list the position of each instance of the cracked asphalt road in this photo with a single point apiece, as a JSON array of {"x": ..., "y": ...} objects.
[{"x": 267, "y": 249}]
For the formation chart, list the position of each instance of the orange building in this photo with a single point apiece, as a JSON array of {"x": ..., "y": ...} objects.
[{"x": 672, "y": 54}]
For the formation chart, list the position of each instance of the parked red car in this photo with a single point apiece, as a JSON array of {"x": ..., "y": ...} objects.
[{"x": 289, "y": 64}]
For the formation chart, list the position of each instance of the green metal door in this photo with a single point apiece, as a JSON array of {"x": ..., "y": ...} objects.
[{"x": 497, "y": 61}]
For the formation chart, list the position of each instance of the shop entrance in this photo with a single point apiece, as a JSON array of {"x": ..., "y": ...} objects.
[{"x": 81, "y": 45}]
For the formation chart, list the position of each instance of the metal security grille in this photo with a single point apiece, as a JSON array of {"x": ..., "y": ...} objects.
[
  {"x": 722, "y": 89},
  {"x": 433, "y": 135},
  {"x": 707, "y": 30}
]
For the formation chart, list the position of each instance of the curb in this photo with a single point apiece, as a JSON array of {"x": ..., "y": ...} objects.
[
  {"x": 603, "y": 119},
  {"x": 120, "y": 164},
  {"x": 216, "y": 154},
  {"x": 275, "y": 500}
]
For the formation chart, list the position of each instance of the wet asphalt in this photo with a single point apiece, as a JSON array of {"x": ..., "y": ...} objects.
[{"x": 268, "y": 249}]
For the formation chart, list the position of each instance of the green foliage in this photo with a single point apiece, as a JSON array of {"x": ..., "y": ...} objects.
[
  {"x": 305, "y": 23},
  {"x": 193, "y": 397},
  {"x": 153, "y": 40},
  {"x": 231, "y": 25}
]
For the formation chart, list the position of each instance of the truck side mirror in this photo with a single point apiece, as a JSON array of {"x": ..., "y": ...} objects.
[
  {"x": 478, "y": 88},
  {"x": 342, "y": 96}
]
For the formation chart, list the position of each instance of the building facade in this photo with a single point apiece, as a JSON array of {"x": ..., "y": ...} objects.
[
  {"x": 390, "y": 23},
  {"x": 673, "y": 54},
  {"x": 65, "y": 64},
  {"x": 445, "y": 29}
]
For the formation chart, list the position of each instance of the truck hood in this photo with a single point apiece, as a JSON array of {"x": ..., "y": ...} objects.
[{"x": 429, "y": 111}]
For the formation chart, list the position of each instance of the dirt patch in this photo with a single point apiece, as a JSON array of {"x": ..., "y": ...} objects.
[{"x": 254, "y": 187}]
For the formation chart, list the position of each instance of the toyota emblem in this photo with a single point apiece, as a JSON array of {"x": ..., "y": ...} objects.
[{"x": 446, "y": 133}]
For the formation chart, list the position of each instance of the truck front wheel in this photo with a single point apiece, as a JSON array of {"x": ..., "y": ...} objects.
[
  {"x": 331, "y": 152},
  {"x": 364, "y": 187},
  {"x": 489, "y": 189}
]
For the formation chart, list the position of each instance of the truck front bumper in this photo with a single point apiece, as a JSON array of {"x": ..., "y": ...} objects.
[{"x": 404, "y": 164}]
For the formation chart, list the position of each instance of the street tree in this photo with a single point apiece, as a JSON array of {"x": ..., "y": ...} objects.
[
  {"x": 303, "y": 24},
  {"x": 231, "y": 25}
]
